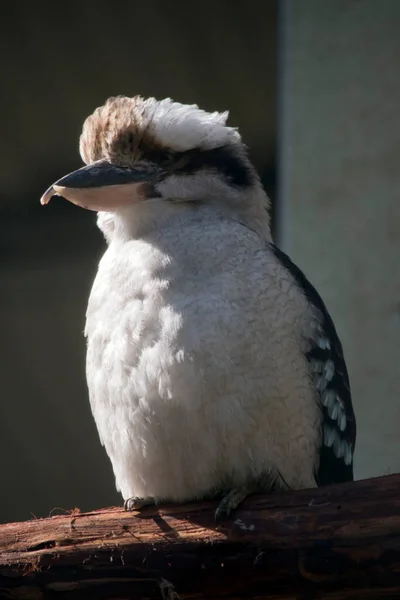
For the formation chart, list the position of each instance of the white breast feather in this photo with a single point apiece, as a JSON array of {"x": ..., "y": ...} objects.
[{"x": 196, "y": 363}]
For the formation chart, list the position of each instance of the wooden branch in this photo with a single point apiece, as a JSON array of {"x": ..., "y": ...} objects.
[{"x": 335, "y": 542}]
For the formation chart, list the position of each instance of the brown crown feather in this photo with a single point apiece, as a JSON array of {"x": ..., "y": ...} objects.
[{"x": 117, "y": 132}]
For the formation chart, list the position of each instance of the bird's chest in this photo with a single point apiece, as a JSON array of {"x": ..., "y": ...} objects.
[
  {"x": 161, "y": 328},
  {"x": 127, "y": 311}
]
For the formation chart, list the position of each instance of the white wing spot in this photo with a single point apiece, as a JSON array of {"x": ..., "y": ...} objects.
[
  {"x": 323, "y": 343},
  {"x": 341, "y": 448},
  {"x": 321, "y": 384},
  {"x": 317, "y": 366},
  {"x": 329, "y": 435},
  {"x": 342, "y": 421},
  {"x": 329, "y": 369},
  {"x": 333, "y": 410},
  {"x": 329, "y": 398}
]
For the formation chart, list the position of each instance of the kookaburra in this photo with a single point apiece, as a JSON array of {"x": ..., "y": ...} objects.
[{"x": 213, "y": 366}]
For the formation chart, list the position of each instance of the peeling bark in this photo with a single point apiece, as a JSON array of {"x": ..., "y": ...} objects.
[{"x": 336, "y": 542}]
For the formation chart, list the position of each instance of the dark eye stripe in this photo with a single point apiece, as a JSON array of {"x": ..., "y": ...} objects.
[{"x": 225, "y": 159}]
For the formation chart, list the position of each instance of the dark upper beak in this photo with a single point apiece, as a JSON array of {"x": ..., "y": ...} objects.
[{"x": 85, "y": 186}]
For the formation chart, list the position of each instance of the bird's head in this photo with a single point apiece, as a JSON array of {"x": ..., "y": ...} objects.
[{"x": 160, "y": 153}]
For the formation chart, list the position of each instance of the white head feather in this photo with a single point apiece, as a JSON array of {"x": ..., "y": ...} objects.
[{"x": 182, "y": 127}]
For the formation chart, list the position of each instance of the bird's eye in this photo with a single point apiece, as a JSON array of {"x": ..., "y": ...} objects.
[
  {"x": 167, "y": 158},
  {"x": 182, "y": 161},
  {"x": 141, "y": 165}
]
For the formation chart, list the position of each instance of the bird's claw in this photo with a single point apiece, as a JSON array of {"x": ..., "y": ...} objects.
[
  {"x": 136, "y": 503},
  {"x": 230, "y": 502}
]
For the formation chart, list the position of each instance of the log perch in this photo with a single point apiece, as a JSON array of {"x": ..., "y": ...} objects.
[{"x": 336, "y": 542}]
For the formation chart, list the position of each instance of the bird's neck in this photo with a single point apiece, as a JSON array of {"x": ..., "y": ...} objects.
[{"x": 139, "y": 220}]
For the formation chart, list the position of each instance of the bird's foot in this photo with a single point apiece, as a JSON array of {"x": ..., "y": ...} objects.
[
  {"x": 231, "y": 501},
  {"x": 136, "y": 503}
]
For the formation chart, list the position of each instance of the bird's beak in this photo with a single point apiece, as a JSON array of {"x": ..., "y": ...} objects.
[{"x": 102, "y": 186}]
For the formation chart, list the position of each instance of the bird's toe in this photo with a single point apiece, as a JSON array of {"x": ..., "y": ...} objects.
[
  {"x": 135, "y": 503},
  {"x": 230, "y": 502}
]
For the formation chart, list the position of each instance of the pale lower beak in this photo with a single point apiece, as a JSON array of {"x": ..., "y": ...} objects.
[{"x": 102, "y": 186}]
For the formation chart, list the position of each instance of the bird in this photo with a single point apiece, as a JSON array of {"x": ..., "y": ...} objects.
[{"x": 213, "y": 366}]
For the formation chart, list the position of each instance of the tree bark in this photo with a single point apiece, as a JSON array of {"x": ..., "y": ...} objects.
[{"x": 335, "y": 542}]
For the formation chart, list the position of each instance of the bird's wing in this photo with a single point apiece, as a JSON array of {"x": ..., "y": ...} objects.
[{"x": 325, "y": 356}]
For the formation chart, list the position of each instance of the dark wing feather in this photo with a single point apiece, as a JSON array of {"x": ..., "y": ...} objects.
[{"x": 339, "y": 423}]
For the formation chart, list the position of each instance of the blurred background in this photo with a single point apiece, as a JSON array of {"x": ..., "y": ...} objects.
[{"x": 314, "y": 88}]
